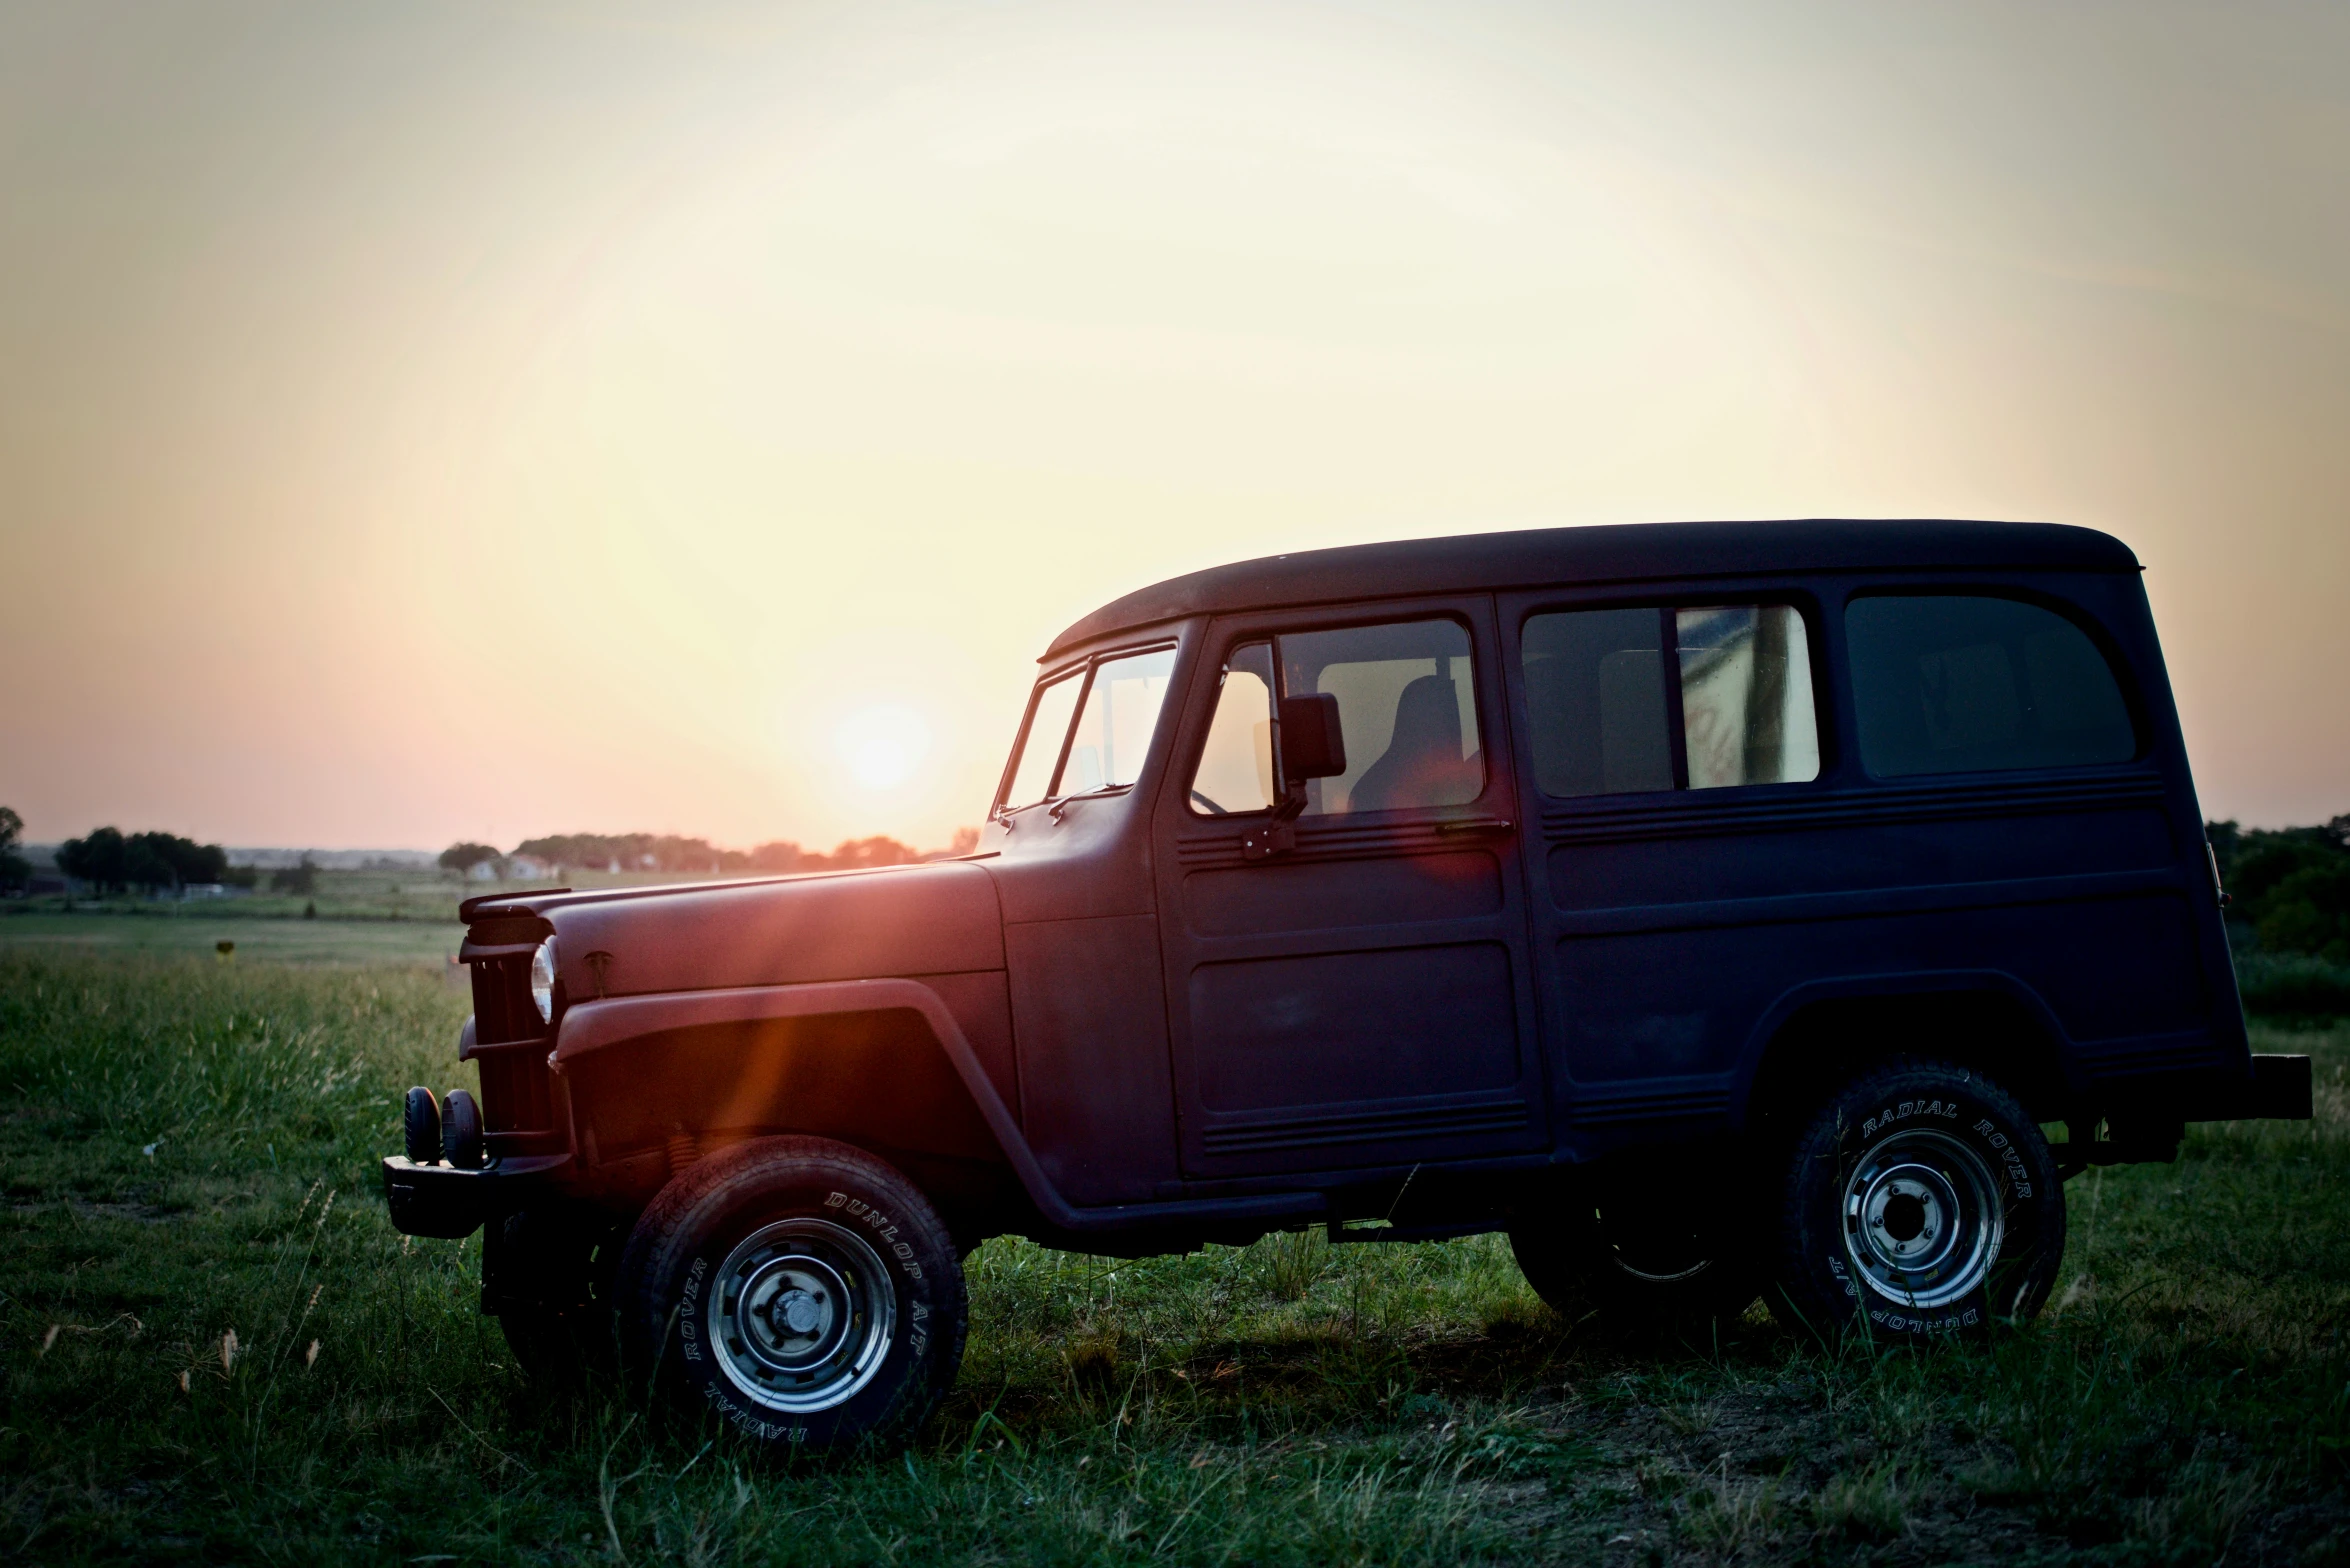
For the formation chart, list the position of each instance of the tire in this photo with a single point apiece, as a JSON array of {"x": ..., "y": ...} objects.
[
  {"x": 461, "y": 1134},
  {"x": 1921, "y": 1202},
  {"x": 420, "y": 1126},
  {"x": 551, "y": 1277},
  {"x": 1652, "y": 1248},
  {"x": 801, "y": 1291}
]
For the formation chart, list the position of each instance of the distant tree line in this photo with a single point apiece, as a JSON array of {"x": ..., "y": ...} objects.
[
  {"x": 15, "y": 870},
  {"x": 2290, "y": 886},
  {"x": 669, "y": 852},
  {"x": 114, "y": 861}
]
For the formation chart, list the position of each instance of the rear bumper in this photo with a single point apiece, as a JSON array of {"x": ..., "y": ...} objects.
[
  {"x": 2278, "y": 1090},
  {"x": 442, "y": 1201}
]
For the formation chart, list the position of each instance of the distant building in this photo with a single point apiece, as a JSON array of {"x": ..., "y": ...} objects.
[{"x": 510, "y": 868}]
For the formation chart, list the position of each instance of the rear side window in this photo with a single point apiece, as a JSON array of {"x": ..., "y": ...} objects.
[
  {"x": 1696, "y": 697},
  {"x": 1971, "y": 683}
]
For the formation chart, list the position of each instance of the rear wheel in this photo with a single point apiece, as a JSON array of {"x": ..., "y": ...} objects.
[
  {"x": 1922, "y": 1200},
  {"x": 800, "y": 1290}
]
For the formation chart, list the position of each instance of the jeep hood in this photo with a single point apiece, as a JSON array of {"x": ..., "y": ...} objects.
[{"x": 858, "y": 925}]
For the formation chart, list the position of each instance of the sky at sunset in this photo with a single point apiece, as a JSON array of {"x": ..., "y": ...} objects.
[{"x": 423, "y": 421}]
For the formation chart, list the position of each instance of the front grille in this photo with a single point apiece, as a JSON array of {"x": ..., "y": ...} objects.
[
  {"x": 510, "y": 1045},
  {"x": 516, "y": 1094},
  {"x": 502, "y": 1008}
]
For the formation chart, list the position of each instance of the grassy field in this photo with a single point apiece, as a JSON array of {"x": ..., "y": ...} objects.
[
  {"x": 194, "y": 931},
  {"x": 356, "y": 917},
  {"x": 336, "y": 895},
  {"x": 213, "y": 1347},
  {"x": 381, "y": 894}
]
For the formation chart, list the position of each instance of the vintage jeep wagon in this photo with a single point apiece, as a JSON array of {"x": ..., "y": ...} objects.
[{"x": 1719, "y": 909}]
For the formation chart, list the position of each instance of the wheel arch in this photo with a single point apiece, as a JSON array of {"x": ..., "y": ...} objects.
[
  {"x": 883, "y": 1065},
  {"x": 1820, "y": 1033}
]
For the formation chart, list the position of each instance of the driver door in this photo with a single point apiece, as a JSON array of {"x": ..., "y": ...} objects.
[{"x": 1360, "y": 996}]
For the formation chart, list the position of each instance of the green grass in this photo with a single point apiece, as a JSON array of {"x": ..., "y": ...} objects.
[
  {"x": 197, "y": 930},
  {"x": 2186, "y": 1399},
  {"x": 338, "y": 894},
  {"x": 425, "y": 896}
]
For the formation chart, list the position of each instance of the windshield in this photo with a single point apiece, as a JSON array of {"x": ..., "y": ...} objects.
[
  {"x": 1040, "y": 748},
  {"x": 1113, "y": 733}
]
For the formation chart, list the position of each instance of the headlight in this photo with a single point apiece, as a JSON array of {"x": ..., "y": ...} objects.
[{"x": 542, "y": 980}]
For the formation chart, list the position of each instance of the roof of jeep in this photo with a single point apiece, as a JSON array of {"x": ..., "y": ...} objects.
[{"x": 1627, "y": 552}]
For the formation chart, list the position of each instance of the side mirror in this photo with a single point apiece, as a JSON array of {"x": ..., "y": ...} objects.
[{"x": 1312, "y": 746}]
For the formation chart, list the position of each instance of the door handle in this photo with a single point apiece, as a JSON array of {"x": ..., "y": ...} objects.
[{"x": 1476, "y": 825}]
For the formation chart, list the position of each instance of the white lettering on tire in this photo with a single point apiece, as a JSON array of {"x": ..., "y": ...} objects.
[
  {"x": 1906, "y": 1109},
  {"x": 2019, "y": 1178},
  {"x": 1948, "y": 1323}
]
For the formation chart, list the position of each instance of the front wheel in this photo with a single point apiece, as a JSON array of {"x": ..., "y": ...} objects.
[
  {"x": 800, "y": 1290},
  {"x": 1921, "y": 1201}
]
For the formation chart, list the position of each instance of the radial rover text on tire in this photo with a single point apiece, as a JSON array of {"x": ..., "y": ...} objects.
[{"x": 1920, "y": 1201}]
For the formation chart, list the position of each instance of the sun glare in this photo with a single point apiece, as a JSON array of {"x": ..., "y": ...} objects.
[{"x": 883, "y": 745}]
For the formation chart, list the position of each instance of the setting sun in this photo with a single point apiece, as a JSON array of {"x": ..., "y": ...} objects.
[
  {"x": 715, "y": 354},
  {"x": 872, "y": 716},
  {"x": 883, "y": 745}
]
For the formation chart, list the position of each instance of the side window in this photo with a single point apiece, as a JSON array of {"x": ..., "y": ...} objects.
[
  {"x": 1625, "y": 701},
  {"x": 1040, "y": 746},
  {"x": 1407, "y": 708},
  {"x": 1746, "y": 697},
  {"x": 1114, "y": 730},
  {"x": 1967, "y": 683},
  {"x": 1235, "y": 770}
]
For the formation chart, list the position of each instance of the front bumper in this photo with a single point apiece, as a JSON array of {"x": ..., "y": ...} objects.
[{"x": 443, "y": 1201}]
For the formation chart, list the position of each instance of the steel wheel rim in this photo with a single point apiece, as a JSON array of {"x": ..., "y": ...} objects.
[
  {"x": 802, "y": 1315},
  {"x": 1922, "y": 1219},
  {"x": 1652, "y": 1277},
  {"x": 1659, "y": 1262}
]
